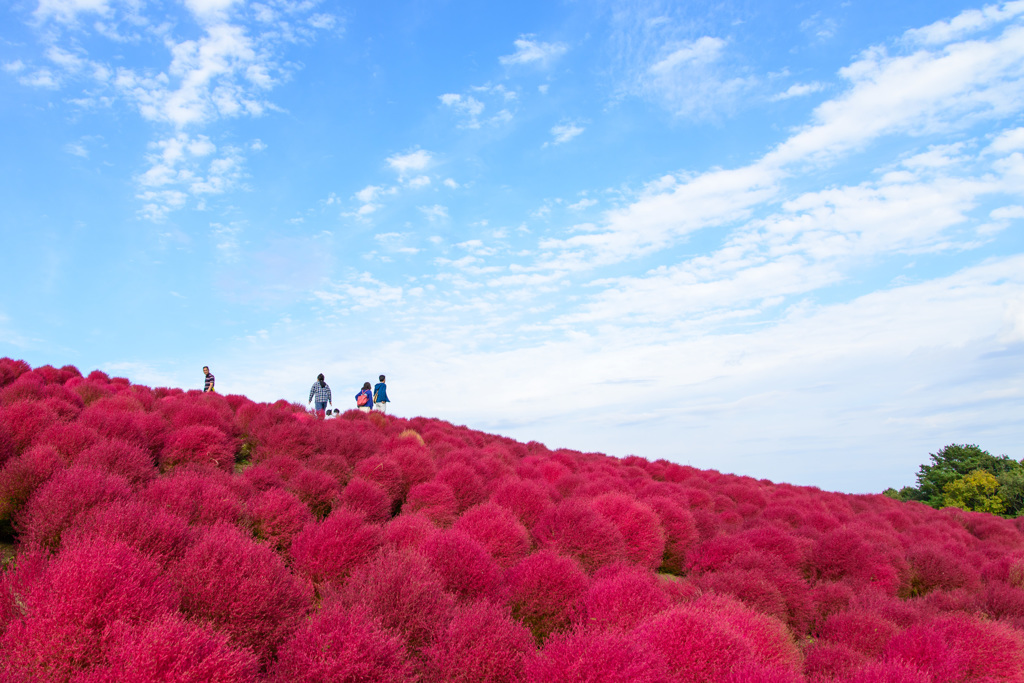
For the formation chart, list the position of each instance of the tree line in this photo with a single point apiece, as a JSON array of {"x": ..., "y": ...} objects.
[{"x": 966, "y": 477}]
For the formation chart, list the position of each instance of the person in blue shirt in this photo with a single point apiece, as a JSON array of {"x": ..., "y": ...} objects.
[
  {"x": 380, "y": 396},
  {"x": 367, "y": 405}
]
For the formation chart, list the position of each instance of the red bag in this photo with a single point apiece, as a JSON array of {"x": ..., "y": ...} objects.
[{"x": 362, "y": 399}]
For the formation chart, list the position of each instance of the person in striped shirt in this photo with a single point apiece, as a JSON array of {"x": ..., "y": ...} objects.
[
  {"x": 208, "y": 384},
  {"x": 322, "y": 392}
]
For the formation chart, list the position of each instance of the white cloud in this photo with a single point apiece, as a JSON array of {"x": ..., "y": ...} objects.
[
  {"x": 419, "y": 182},
  {"x": 964, "y": 24},
  {"x": 704, "y": 50},
  {"x": 182, "y": 166},
  {"x": 917, "y": 93},
  {"x": 67, "y": 11},
  {"x": 40, "y": 78},
  {"x": 435, "y": 213},
  {"x": 1004, "y": 213},
  {"x": 206, "y": 11},
  {"x": 530, "y": 51},
  {"x": 404, "y": 164},
  {"x": 360, "y": 293},
  {"x": 582, "y": 204},
  {"x": 77, "y": 149},
  {"x": 799, "y": 90},
  {"x": 692, "y": 78},
  {"x": 450, "y": 183},
  {"x": 564, "y": 132},
  {"x": 467, "y": 106},
  {"x": 1008, "y": 141},
  {"x": 819, "y": 27},
  {"x": 226, "y": 241},
  {"x": 368, "y": 193}
]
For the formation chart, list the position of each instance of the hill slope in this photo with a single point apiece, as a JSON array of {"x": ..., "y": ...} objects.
[{"x": 162, "y": 535}]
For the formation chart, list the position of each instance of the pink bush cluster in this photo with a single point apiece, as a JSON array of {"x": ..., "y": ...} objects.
[{"x": 166, "y": 535}]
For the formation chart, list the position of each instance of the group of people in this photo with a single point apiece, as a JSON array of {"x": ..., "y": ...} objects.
[{"x": 367, "y": 399}]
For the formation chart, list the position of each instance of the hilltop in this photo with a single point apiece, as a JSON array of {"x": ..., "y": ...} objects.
[{"x": 170, "y": 535}]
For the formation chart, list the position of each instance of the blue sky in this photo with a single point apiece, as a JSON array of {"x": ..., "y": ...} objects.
[{"x": 777, "y": 239}]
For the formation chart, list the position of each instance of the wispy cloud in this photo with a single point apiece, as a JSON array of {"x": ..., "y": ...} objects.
[
  {"x": 531, "y": 51},
  {"x": 226, "y": 72},
  {"x": 564, "y": 132},
  {"x": 434, "y": 213},
  {"x": 798, "y": 90}
]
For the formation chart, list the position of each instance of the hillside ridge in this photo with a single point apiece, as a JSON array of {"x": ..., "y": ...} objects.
[{"x": 171, "y": 535}]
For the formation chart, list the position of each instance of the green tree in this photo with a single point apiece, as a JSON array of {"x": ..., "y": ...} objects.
[
  {"x": 1011, "y": 490},
  {"x": 956, "y": 461},
  {"x": 976, "y": 491}
]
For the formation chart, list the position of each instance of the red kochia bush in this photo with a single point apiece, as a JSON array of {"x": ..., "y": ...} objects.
[
  {"x": 545, "y": 591},
  {"x": 639, "y": 525},
  {"x": 408, "y": 531},
  {"x": 114, "y": 420},
  {"x": 341, "y": 644},
  {"x": 86, "y": 589},
  {"x": 325, "y": 552},
  {"x": 119, "y": 457},
  {"x": 575, "y": 528},
  {"x": 368, "y": 499},
  {"x": 404, "y": 592},
  {"x": 433, "y": 500},
  {"x": 481, "y": 644},
  {"x": 694, "y": 644},
  {"x": 198, "y": 446},
  {"x": 888, "y": 672},
  {"x": 173, "y": 650},
  {"x": 623, "y": 599},
  {"x": 314, "y": 488},
  {"x": 468, "y": 488},
  {"x": 498, "y": 530},
  {"x": 277, "y": 516},
  {"x": 69, "y": 438},
  {"x": 598, "y": 657},
  {"x": 464, "y": 566},
  {"x": 11, "y": 370},
  {"x": 961, "y": 648},
  {"x": 139, "y": 524},
  {"x": 847, "y": 553},
  {"x": 414, "y": 462},
  {"x": 199, "y": 497},
  {"x": 23, "y": 421},
  {"x": 769, "y": 639},
  {"x": 934, "y": 568},
  {"x": 864, "y": 631},
  {"x": 528, "y": 499},
  {"x": 68, "y": 494},
  {"x": 680, "y": 531},
  {"x": 383, "y": 471},
  {"x": 22, "y": 475},
  {"x": 243, "y": 588}
]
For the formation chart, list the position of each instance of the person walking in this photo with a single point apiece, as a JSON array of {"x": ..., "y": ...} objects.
[
  {"x": 208, "y": 383},
  {"x": 364, "y": 399},
  {"x": 322, "y": 393},
  {"x": 380, "y": 396}
]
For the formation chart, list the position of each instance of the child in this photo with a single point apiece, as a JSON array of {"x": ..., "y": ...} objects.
[
  {"x": 380, "y": 396},
  {"x": 366, "y": 405}
]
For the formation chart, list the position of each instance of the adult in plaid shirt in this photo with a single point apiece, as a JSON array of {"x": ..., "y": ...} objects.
[{"x": 322, "y": 393}]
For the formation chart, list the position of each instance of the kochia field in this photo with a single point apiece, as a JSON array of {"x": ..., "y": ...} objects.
[{"x": 163, "y": 535}]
